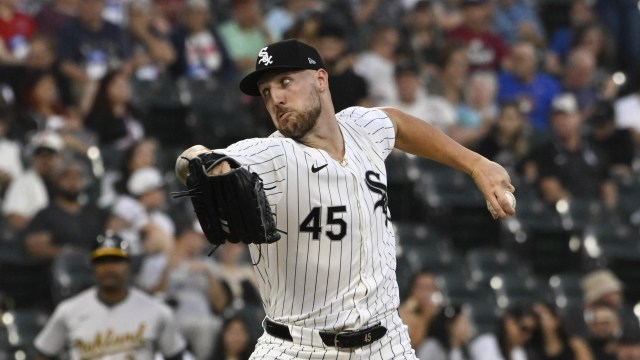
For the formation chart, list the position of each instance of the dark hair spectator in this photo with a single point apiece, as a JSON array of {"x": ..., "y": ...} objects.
[
  {"x": 111, "y": 116},
  {"x": 552, "y": 341},
  {"x": 234, "y": 341},
  {"x": 449, "y": 334}
]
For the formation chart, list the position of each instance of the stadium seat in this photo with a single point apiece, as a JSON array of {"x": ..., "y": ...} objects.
[
  {"x": 566, "y": 289},
  {"x": 71, "y": 274},
  {"x": 512, "y": 289},
  {"x": 484, "y": 314},
  {"x": 484, "y": 262},
  {"x": 18, "y": 329},
  {"x": 418, "y": 234}
]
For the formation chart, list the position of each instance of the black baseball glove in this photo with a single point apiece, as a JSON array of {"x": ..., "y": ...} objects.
[{"x": 232, "y": 206}]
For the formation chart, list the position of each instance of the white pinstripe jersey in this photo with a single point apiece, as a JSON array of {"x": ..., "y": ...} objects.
[{"x": 334, "y": 267}]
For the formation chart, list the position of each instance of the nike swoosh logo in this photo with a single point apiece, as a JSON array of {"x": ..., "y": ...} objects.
[
  {"x": 269, "y": 188},
  {"x": 315, "y": 169}
]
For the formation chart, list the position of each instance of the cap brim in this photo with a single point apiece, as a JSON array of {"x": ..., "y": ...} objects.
[
  {"x": 99, "y": 253},
  {"x": 249, "y": 84}
]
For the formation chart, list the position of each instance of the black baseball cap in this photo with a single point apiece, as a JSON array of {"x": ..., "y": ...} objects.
[
  {"x": 288, "y": 54},
  {"x": 110, "y": 245},
  {"x": 603, "y": 113}
]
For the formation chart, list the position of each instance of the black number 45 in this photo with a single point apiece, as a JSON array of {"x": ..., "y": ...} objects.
[{"x": 312, "y": 222}]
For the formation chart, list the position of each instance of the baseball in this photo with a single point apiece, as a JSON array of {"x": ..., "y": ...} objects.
[
  {"x": 182, "y": 164},
  {"x": 509, "y": 195}
]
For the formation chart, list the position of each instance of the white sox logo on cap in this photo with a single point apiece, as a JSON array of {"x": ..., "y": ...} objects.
[{"x": 264, "y": 57}]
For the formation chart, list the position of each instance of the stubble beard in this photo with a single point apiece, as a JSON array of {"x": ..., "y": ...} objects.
[{"x": 300, "y": 123}]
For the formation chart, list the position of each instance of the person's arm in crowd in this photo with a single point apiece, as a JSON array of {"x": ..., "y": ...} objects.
[
  {"x": 580, "y": 348},
  {"x": 366, "y": 9},
  {"x": 218, "y": 297},
  {"x": 159, "y": 49},
  {"x": 552, "y": 190},
  {"x": 420, "y": 138},
  {"x": 40, "y": 245},
  {"x": 609, "y": 194},
  {"x": 73, "y": 72}
]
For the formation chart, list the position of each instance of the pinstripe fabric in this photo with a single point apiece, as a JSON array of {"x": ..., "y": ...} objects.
[{"x": 334, "y": 268}]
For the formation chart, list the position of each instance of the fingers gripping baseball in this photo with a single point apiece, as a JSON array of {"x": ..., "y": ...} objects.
[
  {"x": 182, "y": 163},
  {"x": 493, "y": 181}
]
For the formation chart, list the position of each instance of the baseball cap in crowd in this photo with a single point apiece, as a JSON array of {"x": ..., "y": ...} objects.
[
  {"x": 144, "y": 180},
  {"x": 599, "y": 283},
  {"x": 565, "y": 103},
  {"x": 603, "y": 113},
  {"x": 110, "y": 245},
  {"x": 48, "y": 140},
  {"x": 283, "y": 55}
]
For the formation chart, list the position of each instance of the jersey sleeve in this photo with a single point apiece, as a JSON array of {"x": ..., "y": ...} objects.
[
  {"x": 376, "y": 124},
  {"x": 51, "y": 339},
  {"x": 170, "y": 341}
]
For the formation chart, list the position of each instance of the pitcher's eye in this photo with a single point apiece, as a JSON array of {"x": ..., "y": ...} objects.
[
  {"x": 265, "y": 93},
  {"x": 286, "y": 81}
]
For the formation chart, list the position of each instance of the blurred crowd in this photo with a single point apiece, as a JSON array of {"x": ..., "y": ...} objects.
[{"x": 97, "y": 98}]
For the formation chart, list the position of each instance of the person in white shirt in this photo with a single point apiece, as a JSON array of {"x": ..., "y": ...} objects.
[{"x": 26, "y": 197}]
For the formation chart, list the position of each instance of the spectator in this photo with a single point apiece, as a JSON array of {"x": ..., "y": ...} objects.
[
  {"x": 15, "y": 30},
  {"x": 569, "y": 166},
  {"x": 245, "y": 34},
  {"x": 507, "y": 142},
  {"x": 449, "y": 335},
  {"x": 279, "y": 19},
  {"x": 514, "y": 331},
  {"x": 420, "y": 307},
  {"x": 603, "y": 331},
  {"x": 377, "y": 65},
  {"x": 25, "y": 198},
  {"x": 617, "y": 144},
  {"x": 347, "y": 88},
  {"x": 580, "y": 13},
  {"x": 516, "y": 20},
  {"x": 10, "y": 161},
  {"x": 190, "y": 281},
  {"x": 63, "y": 226},
  {"x": 42, "y": 110},
  {"x": 110, "y": 319},
  {"x": 234, "y": 341},
  {"x": 602, "y": 287},
  {"x": 485, "y": 50},
  {"x": 622, "y": 19},
  {"x": 593, "y": 37},
  {"x": 55, "y": 15},
  {"x": 138, "y": 217},
  {"x": 532, "y": 90},
  {"x": 413, "y": 100},
  {"x": 237, "y": 274},
  {"x": 114, "y": 183},
  {"x": 200, "y": 51},
  {"x": 150, "y": 47},
  {"x": 111, "y": 116},
  {"x": 448, "y": 14},
  {"x": 453, "y": 68},
  {"x": 552, "y": 341},
  {"x": 421, "y": 37},
  {"x": 579, "y": 78},
  {"x": 477, "y": 113},
  {"x": 89, "y": 46},
  {"x": 68, "y": 221}
]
